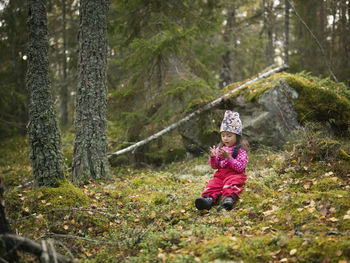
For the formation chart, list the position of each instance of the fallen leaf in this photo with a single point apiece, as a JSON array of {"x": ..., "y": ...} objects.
[
  {"x": 333, "y": 219},
  {"x": 293, "y": 252},
  {"x": 323, "y": 211},
  {"x": 332, "y": 210},
  {"x": 306, "y": 186},
  {"x": 346, "y": 217}
]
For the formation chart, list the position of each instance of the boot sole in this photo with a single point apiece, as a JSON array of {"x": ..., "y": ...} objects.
[
  {"x": 202, "y": 204},
  {"x": 227, "y": 206}
]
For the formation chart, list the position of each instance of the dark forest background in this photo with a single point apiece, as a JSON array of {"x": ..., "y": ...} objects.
[{"x": 166, "y": 57}]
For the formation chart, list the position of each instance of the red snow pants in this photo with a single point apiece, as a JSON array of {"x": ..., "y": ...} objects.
[{"x": 225, "y": 183}]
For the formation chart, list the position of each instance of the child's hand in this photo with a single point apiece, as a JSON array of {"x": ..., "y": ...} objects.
[
  {"x": 213, "y": 151},
  {"x": 225, "y": 154}
]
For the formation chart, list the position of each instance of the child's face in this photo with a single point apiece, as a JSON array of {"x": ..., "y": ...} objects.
[{"x": 228, "y": 138}]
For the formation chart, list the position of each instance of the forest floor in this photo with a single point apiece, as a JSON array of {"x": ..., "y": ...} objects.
[{"x": 295, "y": 208}]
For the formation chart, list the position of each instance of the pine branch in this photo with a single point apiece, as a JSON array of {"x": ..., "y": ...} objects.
[{"x": 195, "y": 113}]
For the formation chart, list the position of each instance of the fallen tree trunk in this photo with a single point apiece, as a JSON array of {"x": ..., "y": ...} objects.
[
  {"x": 30, "y": 246},
  {"x": 197, "y": 112}
]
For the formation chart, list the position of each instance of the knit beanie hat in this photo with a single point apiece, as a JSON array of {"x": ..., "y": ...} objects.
[{"x": 231, "y": 123}]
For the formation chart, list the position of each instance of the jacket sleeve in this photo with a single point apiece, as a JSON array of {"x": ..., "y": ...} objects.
[
  {"x": 213, "y": 161},
  {"x": 240, "y": 162}
]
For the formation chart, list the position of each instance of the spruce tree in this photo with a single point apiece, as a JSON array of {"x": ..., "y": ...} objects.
[
  {"x": 90, "y": 145},
  {"x": 44, "y": 135}
]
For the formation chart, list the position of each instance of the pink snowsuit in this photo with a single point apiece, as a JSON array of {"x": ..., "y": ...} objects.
[{"x": 230, "y": 177}]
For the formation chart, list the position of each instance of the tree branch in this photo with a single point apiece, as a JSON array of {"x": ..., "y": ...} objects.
[{"x": 27, "y": 245}]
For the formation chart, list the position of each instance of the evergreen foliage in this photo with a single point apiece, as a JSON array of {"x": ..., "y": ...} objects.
[{"x": 13, "y": 93}]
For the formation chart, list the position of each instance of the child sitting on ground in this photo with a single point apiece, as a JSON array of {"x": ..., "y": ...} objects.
[{"x": 230, "y": 159}]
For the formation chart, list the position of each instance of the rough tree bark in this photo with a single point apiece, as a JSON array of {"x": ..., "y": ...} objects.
[
  {"x": 44, "y": 135},
  {"x": 226, "y": 74},
  {"x": 6, "y": 248},
  {"x": 268, "y": 24},
  {"x": 64, "y": 84},
  {"x": 286, "y": 32},
  {"x": 90, "y": 145}
]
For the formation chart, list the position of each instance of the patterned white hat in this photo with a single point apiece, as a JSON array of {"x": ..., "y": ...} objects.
[{"x": 231, "y": 123}]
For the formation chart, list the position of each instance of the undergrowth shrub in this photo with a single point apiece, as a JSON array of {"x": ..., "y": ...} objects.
[{"x": 313, "y": 143}]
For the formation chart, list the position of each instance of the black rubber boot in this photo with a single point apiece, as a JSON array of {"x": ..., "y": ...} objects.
[
  {"x": 204, "y": 203},
  {"x": 227, "y": 202}
]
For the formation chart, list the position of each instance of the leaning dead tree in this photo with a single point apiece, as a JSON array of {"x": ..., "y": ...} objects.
[{"x": 197, "y": 112}]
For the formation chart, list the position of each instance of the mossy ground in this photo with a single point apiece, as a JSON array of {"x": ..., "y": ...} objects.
[{"x": 292, "y": 210}]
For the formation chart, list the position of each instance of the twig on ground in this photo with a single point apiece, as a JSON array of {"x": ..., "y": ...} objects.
[
  {"x": 81, "y": 238},
  {"x": 82, "y": 210}
]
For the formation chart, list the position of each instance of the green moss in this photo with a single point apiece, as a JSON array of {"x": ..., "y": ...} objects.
[
  {"x": 65, "y": 196},
  {"x": 217, "y": 248},
  {"x": 344, "y": 155},
  {"x": 316, "y": 103},
  {"x": 227, "y": 221},
  {"x": 326, "y": 184},
  {"x": 322, "y": 248}
]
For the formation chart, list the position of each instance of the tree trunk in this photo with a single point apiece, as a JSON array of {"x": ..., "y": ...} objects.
[
  {"x": 9, "y": 255},
  {"x": 64, "y": 83},
  {"x": 344, "y": 30},
  {"x": 44, "y": 135},
  {"x": 323, "y": 24},
  {"x": 331, "y": 49},
  {"x": 268, "y": 24},
  {"x": 225, "y": 75},
  {"x": 286, "y": 32},
  {"x": 90, "y": 145}
]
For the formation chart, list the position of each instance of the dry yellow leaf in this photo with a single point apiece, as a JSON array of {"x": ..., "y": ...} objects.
[{"x": 293, "y": 252}]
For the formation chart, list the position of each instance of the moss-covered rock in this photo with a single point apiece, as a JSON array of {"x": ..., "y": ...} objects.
[{"x": 272, "y": 108}]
